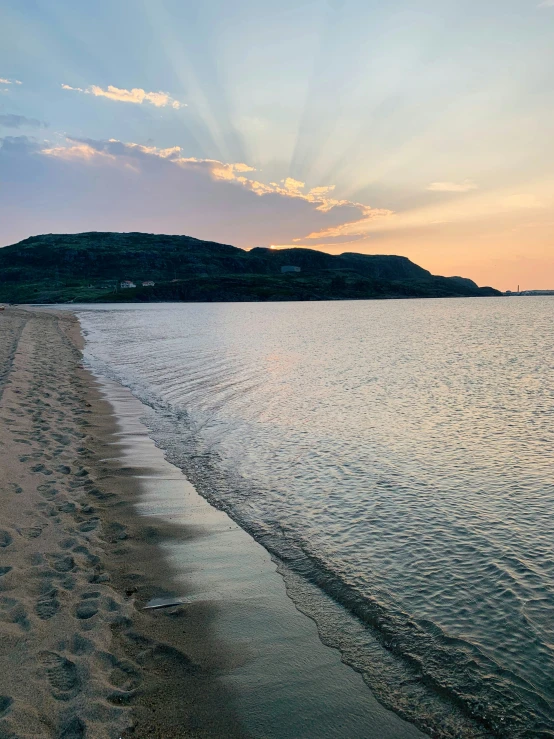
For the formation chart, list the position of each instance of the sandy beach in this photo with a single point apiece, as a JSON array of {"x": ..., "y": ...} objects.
[
  {"x": 77, "y": 656},
  {"x": 95, "y": 525}
]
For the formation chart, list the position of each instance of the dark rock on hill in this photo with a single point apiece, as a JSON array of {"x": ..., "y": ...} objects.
[{"x": 90, "y": 267}]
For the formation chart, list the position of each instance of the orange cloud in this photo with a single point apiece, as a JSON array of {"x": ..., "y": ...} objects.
[
  {"x": 236, "y": 173},
  {"x": 137, "y": 95},
  {"x": 358, "y": 227},
  {"x": 76, "y": 151},
  {"x": 480, "y": 207},
  {"x": 293, "y": 186}
]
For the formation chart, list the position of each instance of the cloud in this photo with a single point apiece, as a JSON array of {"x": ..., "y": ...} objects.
[
  {"x": 137, "y": 95},
  {"x": 293, "y": 186},
  {"x": 234, "y": 173},
  {"x": 6, "y": 81},
  {"x": 10, "y": 120},
  {"x": 85, "y": 184},
  {"x": 18, "y": 145},
  {"x": 480, "y": 211},
  {"x": 465, "y": 186},
  {"x": 546, "y": 4}
]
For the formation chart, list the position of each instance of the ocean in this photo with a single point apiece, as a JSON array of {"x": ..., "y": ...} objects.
[{"x": 397, "y": 455}]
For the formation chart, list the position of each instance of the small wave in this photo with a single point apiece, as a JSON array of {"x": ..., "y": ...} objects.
[{"x": 402, "y": 493}]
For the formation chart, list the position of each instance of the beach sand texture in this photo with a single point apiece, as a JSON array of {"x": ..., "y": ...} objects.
[{"x": 77, "y": 656}]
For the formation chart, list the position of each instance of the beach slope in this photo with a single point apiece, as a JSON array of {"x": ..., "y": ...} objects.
[{"x": 77, "y": 656}]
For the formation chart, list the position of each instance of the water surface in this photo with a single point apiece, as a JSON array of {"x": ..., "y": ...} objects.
[{"x": 396, "y": 454}]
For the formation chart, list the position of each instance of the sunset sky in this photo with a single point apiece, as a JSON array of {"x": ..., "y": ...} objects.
[{"x": 417, "y": 128}]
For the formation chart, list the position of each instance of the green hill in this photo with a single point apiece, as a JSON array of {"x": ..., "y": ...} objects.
[{"x": 89, "y": 267}]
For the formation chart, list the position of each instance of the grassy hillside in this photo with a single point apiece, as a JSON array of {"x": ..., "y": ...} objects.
[{"x": 89, "y": 267}]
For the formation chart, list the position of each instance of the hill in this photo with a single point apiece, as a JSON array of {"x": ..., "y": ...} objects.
[{"x": 89, "y": 267}]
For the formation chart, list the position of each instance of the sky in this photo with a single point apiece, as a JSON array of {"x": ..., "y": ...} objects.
[{"x": 416, "y": 128}]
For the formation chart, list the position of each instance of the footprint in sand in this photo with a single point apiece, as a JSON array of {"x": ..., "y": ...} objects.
[
  {"x": 41, "y": 468},
  {"x": 48, "y": 605},
  {"x": 77, "y": 483},
  {"x": 47, "y": 491},
  {"x": 45, "y": 486},
  {"x": 61, "y": 439},
  {"x": 62, "y": 675},
  {"x": 73, "y": 729},
  {"x": 88, "y": 607},
  {"x": 68, "y": 543},
  {"x": 67, "y": 507},
  {"x": 125, "y": 675},
  {"x": 61, "y": 562},
  {"x": 99, "y": 495},
  {"x": 11, "y": 611},
  {"x": 80, "y": 645},
  {"x": 89, "y": 525},
  {"x": 5, "y": 704},
  {"x": 31, "y": 532},
  {"x": 116, "y": 532},
  {"x": 92, "y": 559}
]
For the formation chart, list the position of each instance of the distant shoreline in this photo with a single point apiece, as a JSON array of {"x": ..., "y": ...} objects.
[{"x": 140, "y": 267}]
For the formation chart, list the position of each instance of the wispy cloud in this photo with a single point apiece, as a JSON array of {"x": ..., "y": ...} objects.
[
  {"x": 137, "y": 95},
  {"x": 465, "y": 186},
  {"x": 6, "y": 81},
  {"x": 10, "y": 120},
  {"x": 480, "y": 207},
  {"x": 546, "y": 4},
  {"x": 237, "y": 173},
  {"x": 162, "y": 189}
]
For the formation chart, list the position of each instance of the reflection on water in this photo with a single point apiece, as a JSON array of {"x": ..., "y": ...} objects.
[{"x": 398, "y": 455}]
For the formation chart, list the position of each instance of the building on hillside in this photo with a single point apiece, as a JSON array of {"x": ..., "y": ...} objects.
[
  {"x": 148, "y": 283},
  {"x": 126, "y": 284},
  {"x": 289, "y": 268}
]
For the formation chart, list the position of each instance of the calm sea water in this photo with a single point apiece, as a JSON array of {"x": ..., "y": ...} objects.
[{"x": 398, "y": 454}]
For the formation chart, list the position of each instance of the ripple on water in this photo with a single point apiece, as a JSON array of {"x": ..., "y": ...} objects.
[{"x": 397, "y": 457}]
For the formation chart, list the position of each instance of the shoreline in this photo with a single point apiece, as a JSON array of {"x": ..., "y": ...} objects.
[
  {"x": 213, "y": 666},
  {"x": 78, "y": 658}
]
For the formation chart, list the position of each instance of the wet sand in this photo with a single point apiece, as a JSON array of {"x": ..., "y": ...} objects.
[
  {"x": 78, "y": 658},
  {"x": 95, "y": 523}
]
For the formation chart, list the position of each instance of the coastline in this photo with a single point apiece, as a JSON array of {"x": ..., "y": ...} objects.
[
  {"x": 78, "y": 658},
  {"x": 177, "y": 672}
]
